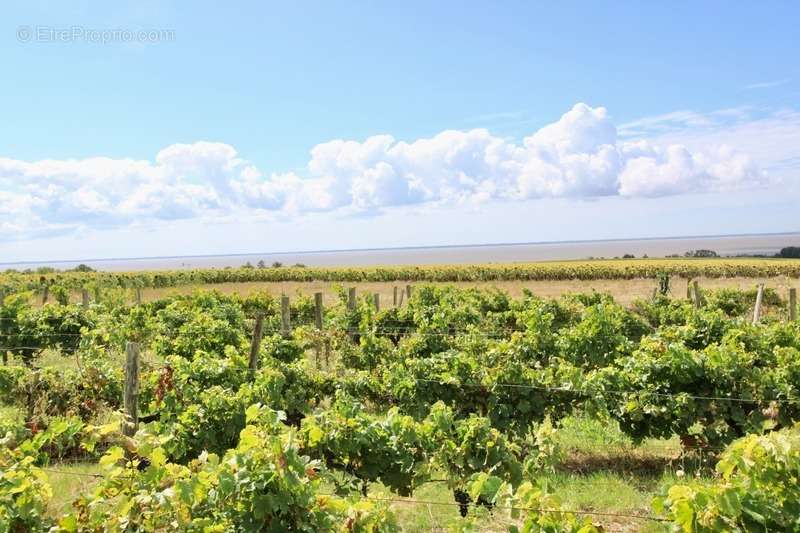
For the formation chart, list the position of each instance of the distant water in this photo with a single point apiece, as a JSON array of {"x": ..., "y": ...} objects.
[{"x": 489, "y": 253}]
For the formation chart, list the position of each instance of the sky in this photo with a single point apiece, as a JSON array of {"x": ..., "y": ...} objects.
[{"x": 133, "y": 129}]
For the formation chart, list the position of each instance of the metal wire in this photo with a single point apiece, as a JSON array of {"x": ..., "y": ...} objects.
[{"x": 618, "y": 393}]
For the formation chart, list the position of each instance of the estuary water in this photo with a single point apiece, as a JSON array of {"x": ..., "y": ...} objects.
[{"x": 728, "y": 245}]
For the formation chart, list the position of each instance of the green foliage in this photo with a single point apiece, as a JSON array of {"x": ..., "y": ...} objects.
[
  {"x": 211, "y": 421},
  {"x": 26, "y": 331},
  {"x": 663, "y": 311},
  {"x": 538, "y": 510},
  {"x": 711, "y": 396},
  {"x": 259, "y": 302},
  {"x": 281, "y": 348},
  {"x": 19, "y": 333},
  {"x": 584, "y": 270},
  {"x": 736, "y": 303},
  {"x": 700, "y": 328},
  {"x": 605, "y": 333},
  {"x": 389, "y": 448},
  {"x": 206, "y": 322},
  {"x": 460, "y": 383},
  {"x": 24, "y": 493},
  {"x": 263, "y": 484},
  {"x": 757, "y": 489},
  {"x": 200, "y": 404},
  {"x": 64, "y": 392},
  {"x": 10, "y": 378},
  {"x": 463, "y": 448},
  {"x": 60, "y": 439},
  {"x": 61, "y": 326}
]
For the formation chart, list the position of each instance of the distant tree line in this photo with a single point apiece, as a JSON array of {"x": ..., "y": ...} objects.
[
  {"x": 51, "y": 270},
  {"x": 789, "y": 252},
  {"x": 276, "y": 264},
  {"x": 701, "y": 253}
]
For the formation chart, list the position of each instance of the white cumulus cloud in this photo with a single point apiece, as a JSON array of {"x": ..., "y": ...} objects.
[{"x": 580, "y": 155}]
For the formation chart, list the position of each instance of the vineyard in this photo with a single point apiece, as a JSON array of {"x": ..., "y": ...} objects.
[
  {"x": 556, "y": 270},
  {"x": 212, "y": 412}
]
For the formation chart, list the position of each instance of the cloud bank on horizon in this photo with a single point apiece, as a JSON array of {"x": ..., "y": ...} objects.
[{"x": 582, "y": 155}]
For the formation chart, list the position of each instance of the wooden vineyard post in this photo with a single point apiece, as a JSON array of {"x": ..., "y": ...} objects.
[
  {"x": 85, "y": 298},
  {"x": 376, "y": 298},
  {"x": 286, "y": 324},
  {"x": 255, "y": 344},
  {"x": 351, "y": 307},
  {"x": 792, "y": 304},
  {"x": 31, "y": 407},
  {"x": 408, "y": 293},
  {"x": 131, "y": 400},
  {"x": 318, "y": 323},
  {"x": 757, "y": 308},
  {"x": 318, "y": 310},
  {"x": 45, "y": 294},
  {"x": 138, "y": 296},
  {"x": 400, "y": 303},
  {"x": 394, "y": 296},
  {"x": 698, "y": 298},
  {"x": 2, "y": 349},
  {"x": 689, "y": 289}
]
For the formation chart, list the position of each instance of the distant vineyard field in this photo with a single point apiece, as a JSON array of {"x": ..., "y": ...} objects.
[{"x": 560, "y": 270}]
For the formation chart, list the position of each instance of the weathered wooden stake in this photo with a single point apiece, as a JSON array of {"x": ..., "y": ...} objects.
[
  {"x": 394, "y": 300},
  {"x": 351, "y": 307},
  {"x": 131, "y": 400},
  {"x": 408, "y": 293},
  {"x": 2, "y": 349},
  {"x": 286, "y": 324},
  {"x": 400, "y": 304},
  {"x": 255, "y": 344},
  {"x": 2, "y": 300},
  {"x": 318, "y": 310},
  {"x": 32, "y": 396},
  {"x": 689, "y": 289},
  {"x": 85, "y": 298},
  {"x": 138, "y": 296},
  {"x": 376, "y": 298},
  {"x": 792, "y": 304},
  {"x": 45, "y": 294},
  {"x": 757, "y": 308},
  {"x": 318, "y": 324},
  {"x": 698, "y": 298}
]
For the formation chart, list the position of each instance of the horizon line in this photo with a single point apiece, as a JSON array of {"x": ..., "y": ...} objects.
[{"x": 391, "y": 248}]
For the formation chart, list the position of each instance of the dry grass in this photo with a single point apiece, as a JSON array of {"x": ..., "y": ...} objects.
[{"x": 624, "y": 291}]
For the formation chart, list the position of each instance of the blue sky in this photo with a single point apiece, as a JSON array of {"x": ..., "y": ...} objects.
[{"x": 259, "y": 126}]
